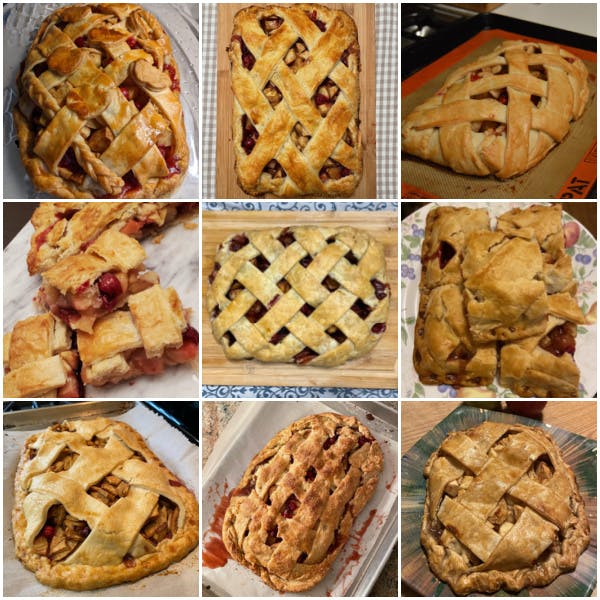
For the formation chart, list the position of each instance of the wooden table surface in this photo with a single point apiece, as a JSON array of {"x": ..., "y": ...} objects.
[{"x": 417, "y": 417}]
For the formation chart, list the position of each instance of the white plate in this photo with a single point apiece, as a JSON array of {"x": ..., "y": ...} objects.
[
  {"x": 175, "y": 259},
  {"x": 21, "y": 23},
  {"x": 583, "y": 253}
]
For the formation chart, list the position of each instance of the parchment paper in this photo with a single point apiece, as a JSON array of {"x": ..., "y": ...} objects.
[
  {"x": 178, "y": 455},
  {"x": 253, "y": 424}
]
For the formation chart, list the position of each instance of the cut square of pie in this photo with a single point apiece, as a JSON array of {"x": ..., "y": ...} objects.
[
  {"x": 443, "y": 247},
  {"x": 84, "y": 287},
  {"x": 40, "y": 361},
  {"x": 444, "y": 351},
  {"x": 504, "y": 292},
  {"x": 151, "y": 335}
]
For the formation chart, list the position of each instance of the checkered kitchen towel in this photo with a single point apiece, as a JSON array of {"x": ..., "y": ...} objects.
[{"x": 386, "y": 24}]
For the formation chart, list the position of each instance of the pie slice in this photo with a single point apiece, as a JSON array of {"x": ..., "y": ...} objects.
[
  {"x": 66, "y": 228},
  {"x": 444, "y": 351},
  {"x": 94, "y": 507},
  {"x": 151, "y": 335},
  {"x": 294, "y": 76},
  {"x": 444, "y": 243},
  {"x": 293, "y": 509},
  {"x": 502, "y": 510},
  {"x": 543, "y": 224},
  {"x": 99, "y": 113},
  {"x": 39, "y": 360},
  {"x": 502, "y": 113},
  {"x": 84, "y": 287},
  {"x": 544, "y": 366},
  {"x": 504, "y": 292}
]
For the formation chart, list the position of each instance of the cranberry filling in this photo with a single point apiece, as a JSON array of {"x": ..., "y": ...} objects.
[
  {"x": 171, "y": 160},
  {"x": 361, "y": 309},
  {"x": 130, "y": 185},
  {"x": 272, "y": 536},
  {"x": 330, "y": 441},
  {"x": 249, "y": 135},
  {"x": 175, "y": 83},
  {"x": 351, "y": 258},
  {"x": 290, "y": 507},
  {"x": 248, "y": 59},
  {"x": 279, "y": 336},
  {"x": 380, "y": 288},
  {"x": 378, "y": 328},
  {"x": 80, "y": 42},
  {"x": 306, "y": 260},
  {"x": 68, "y": 161},
  {"x": 286, "y": 237},
  {"x": 560, "y": 340},
  {"x": 132, "y": 43},
  {"x": 190, "y": 334},
  {"x": 261, "y": 263},
  {"x": 461, "y": 352},
  {"x": 313, "y": 17},
  {"x": 307, "y": 310},
  {"x": 238, "y": 242},
  {"x": 446, "y": 253},
  {"x": 41, "y": 238},
  {"x": 215, "y": 270},
  {"x": 256, "y": 312},
  {"x": 304, "y": 356},
  {"x": 110, "y": 289},
  {"x": 311, "y": 474}
]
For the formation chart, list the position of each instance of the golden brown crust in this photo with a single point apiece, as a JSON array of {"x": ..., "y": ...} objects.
[
  {"x": 329, "y": 162},
  {"x": 298, "y": 502},
  {"x": 136, "y": 151},
  {"x": 87, "y": 577},
  {"x": 522, "y": 467}
]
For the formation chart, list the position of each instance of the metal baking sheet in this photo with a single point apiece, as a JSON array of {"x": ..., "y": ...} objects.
[{"x": 253, "y": 424}]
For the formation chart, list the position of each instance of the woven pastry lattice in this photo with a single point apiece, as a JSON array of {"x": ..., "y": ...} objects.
[
  {"x": 295, "y": 82},
  {"x": 502, "y": 113},
  {"x": 310, "y": 295}
]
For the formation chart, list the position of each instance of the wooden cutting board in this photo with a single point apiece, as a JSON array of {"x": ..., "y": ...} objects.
[
  {"x": 378, "y": 369},
  {"x": 364, "y": 17}
]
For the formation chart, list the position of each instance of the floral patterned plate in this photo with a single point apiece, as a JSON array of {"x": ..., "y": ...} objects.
[{"x": 581, "y": 246}]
